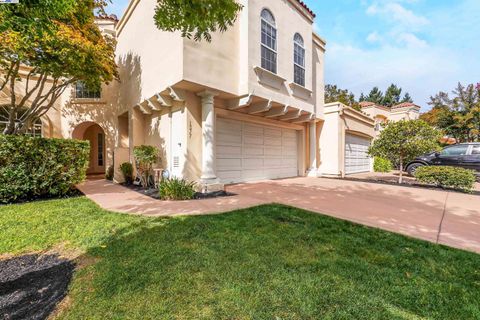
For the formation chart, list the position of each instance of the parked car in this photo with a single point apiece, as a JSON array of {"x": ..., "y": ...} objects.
[{"x": 465, "y": 155}]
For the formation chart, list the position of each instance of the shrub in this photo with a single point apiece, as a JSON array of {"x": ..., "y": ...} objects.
[
  {"x": 145, "y": 157},
  {"x": 37, "y": 167},
  {"x": 127, "y": 171},
  {"x": 382, "y": 165},
  {"x": 176, "y": 189},
  {"x": 447, "y": 177},
  {"x": 109, "y": 173}
]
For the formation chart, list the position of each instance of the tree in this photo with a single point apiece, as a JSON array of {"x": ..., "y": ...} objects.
[
  {"x": 375, "y": 96},
  {"x": 145, "y": 158},
  {"x": 458, "y": 116},
  {"x": 46, "y": 46},
  {"x": 392, "y": 96},
  {"x": 335, "y": 94},
  {"x": 400, "y": 142},
  {"x": 196, "y": 18},
  {"x": 407, "y": 98}
]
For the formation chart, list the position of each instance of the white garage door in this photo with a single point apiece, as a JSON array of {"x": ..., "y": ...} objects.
[
  {"x": 356, "y": 157},
  {"x": 249, "y": 152}
]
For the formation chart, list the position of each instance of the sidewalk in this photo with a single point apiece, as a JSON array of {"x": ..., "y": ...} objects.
[{"x": 438, "y": 216}]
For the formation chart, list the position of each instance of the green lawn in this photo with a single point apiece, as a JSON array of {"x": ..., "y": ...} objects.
[{"x": 268, "y": 262}]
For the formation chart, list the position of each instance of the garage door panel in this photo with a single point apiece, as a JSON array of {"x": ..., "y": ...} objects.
[
  {"x": 253, "y": 163},
  {"x": 228, "y": 126},
  {"x": 273, "y": 132},
  {"x": 253, "y": 140},
  {"x": 229, "y": 151},
  {"x": 229, "y": 139},
  {"x": 356, "y": 154},
  {"x": 253, "y": 151},
  {"x": 226, "y": 164},
  {"x": 258, "y": 152}
]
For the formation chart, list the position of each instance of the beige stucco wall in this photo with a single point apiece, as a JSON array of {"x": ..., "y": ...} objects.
[
  {"x": 340, "y": 120},
  {"x": 288, "y": 22},
  {"x": 149, "y": 60}
]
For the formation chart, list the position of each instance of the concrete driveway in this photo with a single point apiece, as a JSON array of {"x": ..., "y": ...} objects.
[{"x": 438, "y": 216}]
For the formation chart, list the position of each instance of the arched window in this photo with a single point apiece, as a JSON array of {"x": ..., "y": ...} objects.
[
  {"x": 269, "y": 42},
  {"x": 35, "y": 130},
  {"x": 298, "y": 60}
]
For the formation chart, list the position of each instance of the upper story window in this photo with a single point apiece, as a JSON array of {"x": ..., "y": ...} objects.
[
  {"x": 298, "y": 60},
  {"x": 269, "y": 42},
  {"x": 82, "y": 91}
]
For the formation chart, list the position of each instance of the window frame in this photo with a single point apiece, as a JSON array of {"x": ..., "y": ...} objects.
[
  {"x": 296, "y": 66},
  {"x": 100, "y": 149},
  {"x": 264, "y": 46},
  {"x": 467, "y": 150},
  {"x": 36, "y": 130},
  {"x": 86, "y": 93}
]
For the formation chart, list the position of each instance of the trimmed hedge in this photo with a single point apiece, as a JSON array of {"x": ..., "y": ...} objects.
[
  {"x": 382, "y": 165},
  {"x": 40, "y": 168},
  {"x": 447, "y": 177}
]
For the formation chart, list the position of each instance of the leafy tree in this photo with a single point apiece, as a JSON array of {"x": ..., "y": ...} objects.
[
  {"x": 375, "y": 95},
  {"x": 392, "y": 96},
  {"x": 400, "y": 142},
  {"x": 145, "y": 158},
  {"x": 407, "y": 98},
  {"x": 335, "y": 94},
  {"x": 458, "y": 116},
  {"x": 45, "y": 46},
  {"x": 196, "y": 18}
]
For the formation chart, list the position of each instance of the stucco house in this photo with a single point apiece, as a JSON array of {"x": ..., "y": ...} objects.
[
  {"x": 382, "y": 114},
  {"x": 247, "y": 106}
]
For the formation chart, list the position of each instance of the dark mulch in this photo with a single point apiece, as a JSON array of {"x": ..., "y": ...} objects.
[
  {"x": 31, "y": 286},
  {"x": 153, "y": 193}
]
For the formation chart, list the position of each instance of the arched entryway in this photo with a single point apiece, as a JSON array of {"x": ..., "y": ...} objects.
[{"x": 94, "y": 133}]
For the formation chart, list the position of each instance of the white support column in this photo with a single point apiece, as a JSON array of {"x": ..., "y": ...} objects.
[
  {"x": 209, "y": 181},
  {"x": 312, "y": 171}
]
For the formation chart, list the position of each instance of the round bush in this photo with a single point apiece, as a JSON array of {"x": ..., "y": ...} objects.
[
  {"x": 382, "y": 165},
  {"x": 37, "y": 167},
  {"x": 447, "y": 177}
]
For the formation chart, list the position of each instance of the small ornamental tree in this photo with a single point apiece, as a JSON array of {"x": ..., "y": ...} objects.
[
  {"x": 45, "y": 47},
  {"x": 145, "y": 158},
  {"x": 196, "y": 18},
  {"x": 400, "y": 142}
]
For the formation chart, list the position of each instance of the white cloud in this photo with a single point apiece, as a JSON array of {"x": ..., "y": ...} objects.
[
  {"x": 411, "y": 40},
  {"x": 398, "y": 14},
  {"x": 374, "y": 37}
]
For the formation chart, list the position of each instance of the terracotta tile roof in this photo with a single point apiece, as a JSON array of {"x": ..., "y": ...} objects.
[
  {"x": 111, "y": 17},
  {"x": 365, "y": 104},
  {"x": 405, "y": 105},
  {"x": 303, "y": 4}
]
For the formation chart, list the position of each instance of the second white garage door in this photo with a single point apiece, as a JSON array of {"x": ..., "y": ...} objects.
[
  {"x": 356, "y": 156},
  {"x": 249, "y": 152}
]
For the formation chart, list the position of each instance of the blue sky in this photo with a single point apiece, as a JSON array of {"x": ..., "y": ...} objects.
[{"x": 424, "y": 46}]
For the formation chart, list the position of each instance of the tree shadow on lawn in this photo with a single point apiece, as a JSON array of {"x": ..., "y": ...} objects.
[{"x": 272, "y": 262}]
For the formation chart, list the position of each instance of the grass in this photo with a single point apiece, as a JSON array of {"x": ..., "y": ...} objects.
[{"x": 268, "y": 262}]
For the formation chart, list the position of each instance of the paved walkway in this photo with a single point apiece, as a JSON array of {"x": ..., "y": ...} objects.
[{"x": 438, "y": 216}]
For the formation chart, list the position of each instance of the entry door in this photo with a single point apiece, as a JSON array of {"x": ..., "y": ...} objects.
[
  {"x": 356, "y": 154},
  {"x": 177, "y": 139},
  {"x": 251, "y": 152}
]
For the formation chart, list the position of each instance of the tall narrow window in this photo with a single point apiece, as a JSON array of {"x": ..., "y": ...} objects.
[
  {"x": 100, "y": 143},
  {"x": 298, "y": 60},
  {"x": 82, "y": 91},
  {"x": 269, "y": 42}
]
